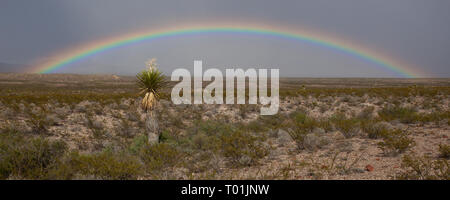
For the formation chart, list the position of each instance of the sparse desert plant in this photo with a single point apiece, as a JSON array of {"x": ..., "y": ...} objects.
[
  {"x": 172, "y": 121},
  {"x": 271, "y": 121},
  {"x": 403, "y": 114},
  {"x": 326, "y": 125},
  {"x": 62, "y": 112},
  {"x": 167, "y": 136},
  {"x": 299, "y": 127},
  {"x": 133, "y": 114},
  {"x": 246, "y": 109},
  {"x": 348, "y": 126},
  {"x": 346, "y": 98},
  {"x": 139, "y": 142},
  {"x": 96, "y": 126},
  {"x": 313, "y": 141},
  {"x": 395, "y": 142},
  {"x": 437, "y": 116},
  {"x": 242, "y": 148},
  {"x": 39, "y": 121},
  {"x": 205, "y": 135},
  {"x": 83, "y": 106},
  {"x": 28, "y": 158},
  {"x": 160, "y": 156},
  {"x": 339, "y": 163},
  {"x": 23, "y": 157},
  {"x": 207, "y": 138},
  {"x": 302, "y": 120},
  {"x": 105, "y": 165},
  {"x": 444, "y": 151},
  {"x": 126, "y": 129},
  {"x": 424, "y": 168},
  {"x": 375, "y": 130},
  {"x": 10, "y": 127},
  {"x": 366, "y": 113},
  {"x": 151, "y": 82}
]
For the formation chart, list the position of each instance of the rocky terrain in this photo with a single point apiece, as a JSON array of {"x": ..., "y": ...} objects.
[{"x": 92, "y": 127}]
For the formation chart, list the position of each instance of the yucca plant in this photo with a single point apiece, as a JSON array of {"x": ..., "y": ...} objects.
[{"x": 151, "y": 82}]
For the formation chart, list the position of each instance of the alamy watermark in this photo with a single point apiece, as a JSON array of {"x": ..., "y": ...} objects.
[{"x": 235, "y": 90}]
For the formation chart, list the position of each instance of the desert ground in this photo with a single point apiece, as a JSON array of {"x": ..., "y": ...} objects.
[{"x": 67, "y": 126}]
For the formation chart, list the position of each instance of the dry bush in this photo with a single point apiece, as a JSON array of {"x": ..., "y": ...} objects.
[
  {"x": 395, "y": 142},
  {"x": 39, "y": 121},
  {"x": 403, "y": 114},
  {"x": 299, "y": 127},
  {"x": 239, "y": 147},
  {"x": 95, "y": 125},
  {"x": 444, "y": 151},
  {"x": 242, "y": 148},
  {"x": 348, "y": 126},
  {"x": 424, "y": 168},
  {"x": 28, "y": 158},
  {"x": 160, "y": 156},
  {"x": 126, "y": 129},
  {"x": 375, "y": 130},
  {"x": 366, "y": 113},
  {"x": 105, "y": 165}
]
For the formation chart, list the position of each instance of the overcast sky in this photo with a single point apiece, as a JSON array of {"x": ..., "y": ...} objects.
[{"x": 413, "y": 31}]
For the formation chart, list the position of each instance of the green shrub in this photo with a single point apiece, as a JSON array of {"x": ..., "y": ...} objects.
[
  {"x": 139, "y": 142},
  {"x": 254, "y": 126},
  {"x": 300, "y": 126},
  {"x": 395, "y": 142},
  {"x": 375, "y": 130},
  {"x": 106, "y": 165},
  {"x": 264, "y": 123},
  {"x": 213, "y": 137},
  {"x": 159, "y": 156},
  {"x": 29, "y": 158},
  {"x": 424, "y": 168},
  {"x": 242, "y": 148},
  {"x": 271, "y": 121},
  {"x": 39, "y": 122},
  {"x": 348, "y": 126},
  {"x": 435, "y": 116},
  {"x": 37, "y": 158},
  {"x": 305, "y": 122},
  {"x": 168, "y": 136},
  {"x": 205, "y": 135},
  {"x": 403, "y": 114}
]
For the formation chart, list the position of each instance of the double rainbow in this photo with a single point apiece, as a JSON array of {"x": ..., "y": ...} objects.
[{"x": 72, "y": 55}]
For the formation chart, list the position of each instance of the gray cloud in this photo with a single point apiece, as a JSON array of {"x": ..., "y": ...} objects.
[{"x": 415, "y": 31}]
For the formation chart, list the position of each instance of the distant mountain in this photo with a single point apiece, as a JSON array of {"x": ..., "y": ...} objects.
[
  {"x": 65, "y": 77},
  {"x": 8, "y": 67}
]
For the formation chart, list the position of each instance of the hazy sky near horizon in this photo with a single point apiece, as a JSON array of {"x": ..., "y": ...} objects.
[{"x": 416, "y": 32}]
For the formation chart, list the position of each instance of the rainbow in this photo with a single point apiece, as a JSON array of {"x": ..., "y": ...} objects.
[{"x": 72, "y": 55}]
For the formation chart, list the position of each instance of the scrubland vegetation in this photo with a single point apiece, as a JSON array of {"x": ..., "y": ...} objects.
[{"x": 96, "y": 129}]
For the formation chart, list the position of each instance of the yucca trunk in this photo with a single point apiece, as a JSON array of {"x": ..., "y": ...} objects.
[{"x": 151, "y": 125}]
